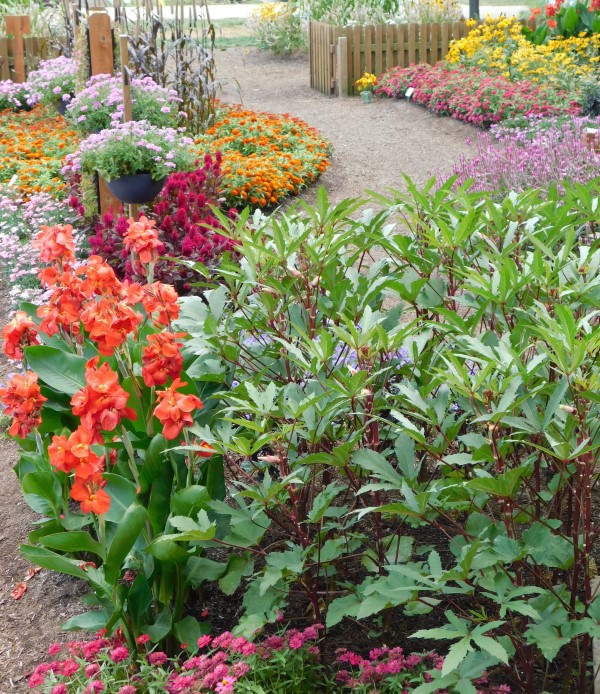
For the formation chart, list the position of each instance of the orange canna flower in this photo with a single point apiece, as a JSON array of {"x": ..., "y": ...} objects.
[
  {"x": 100, "y": 277},
  {"x": 56, "y": 244},
  {"x": 23, "y": 400},
  {"x": 102, "y": 404},
  {"x": 162, "y": 298},
  {"x": 91, "y": 495},
  {"x": 108, "y": 323},
  {"x": 552, "y": 23},
  {"x": 173, "y": 409},
  {"x": 19, "y": 333},
  {"x": 141, "y": 239},
  {"x": 162, "y": 358},
  {"x": 205, "y": 450}
]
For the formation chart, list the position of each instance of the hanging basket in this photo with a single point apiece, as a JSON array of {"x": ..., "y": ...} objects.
[
  {"x": 136, "y": 189},
  {"x": 61, "y": 106}
]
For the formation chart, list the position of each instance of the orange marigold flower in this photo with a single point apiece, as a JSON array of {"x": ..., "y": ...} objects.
[
  {"x": 162, "y": 298},
  {"x": 162, "y": 358},
  {"x": 19, "y": 333},
  {"x": 102, "y": 404},
  {"x": 173, "y": 409},
  {"x": 108, "y": 323},
  {"x": 23, "y": 400},
  {"x": 56, "y": 244},
  {"x": 91, "y": 495},
  {"x": 142, "y": 239}
]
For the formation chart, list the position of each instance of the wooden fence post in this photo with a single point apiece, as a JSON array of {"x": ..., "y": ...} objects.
[
  {"x": 102, "y": 61},
  {"x": 18, "y": 26},
  {"x": 342, "y": 66}
]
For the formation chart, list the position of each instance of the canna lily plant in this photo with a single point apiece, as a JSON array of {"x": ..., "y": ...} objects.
[{"x": 105, "y": 415}]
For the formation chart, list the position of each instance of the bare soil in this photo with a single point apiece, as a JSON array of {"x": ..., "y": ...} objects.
[{"x": 373, "y": 146}]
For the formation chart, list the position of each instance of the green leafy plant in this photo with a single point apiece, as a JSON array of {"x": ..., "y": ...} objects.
[{"x": 278, "y": 27}]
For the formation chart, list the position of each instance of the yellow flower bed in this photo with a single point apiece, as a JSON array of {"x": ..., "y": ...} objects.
[{"x": 498, "y": 46}]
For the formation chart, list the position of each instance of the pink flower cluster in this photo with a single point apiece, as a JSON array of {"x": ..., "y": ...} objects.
[
  {"x": 531, "y": 157},
  {"x": 227, "y": 659},
  {"x": 473, "y": 95},
  {"x": 391, "y": 667}
]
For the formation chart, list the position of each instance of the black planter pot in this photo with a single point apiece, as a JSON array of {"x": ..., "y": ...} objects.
[
  {"x": 136, "y": 189},
  {"x": 61, "y": 106}
]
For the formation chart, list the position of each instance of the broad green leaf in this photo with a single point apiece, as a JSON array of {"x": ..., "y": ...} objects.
[
  {"x": 90, "y": 621},
  {"x": 74, "y": 541},
  {"x": 128, "y": 531},
  {"x": 60, "y": 370}
]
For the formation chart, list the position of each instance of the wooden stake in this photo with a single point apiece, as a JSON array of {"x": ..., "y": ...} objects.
[
  {"x": 102, "y": 62},
  {"x": 124, "y": 45}
]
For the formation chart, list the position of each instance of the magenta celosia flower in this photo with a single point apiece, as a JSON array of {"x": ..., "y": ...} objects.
[
  {"x": 54, "y": 648},
  {"x": 59, "y": 689},
  {"x": 127, "y": 689},
  {"x": 94, "y": 687}
]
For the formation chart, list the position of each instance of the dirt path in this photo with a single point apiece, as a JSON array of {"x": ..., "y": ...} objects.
[{"x": 373, "y": 146}]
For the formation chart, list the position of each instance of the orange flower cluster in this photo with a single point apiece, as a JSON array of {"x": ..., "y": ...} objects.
[
  {"x": 55, "y": 243},
  {"x": 92, "y": 298},
  {"x": 32, "y": 147},
  {"x": 89, "y": 302},
  {"x": 103, "y": 402},
  {"x": 142, "y": 240},
  {"x": 265, "y": 156},
  {"x": 75, "y": 454},
  {"x": 19, "y": 333},
  {"x": 23, "y": 400},
  {"x": 174, "y": 409},
  {"x": 162, "y": 358}
]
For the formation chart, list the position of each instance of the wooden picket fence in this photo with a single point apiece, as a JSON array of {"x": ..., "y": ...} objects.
[
  {"x": 35, "y": 49},
  {"x": 340, "y": 55}
]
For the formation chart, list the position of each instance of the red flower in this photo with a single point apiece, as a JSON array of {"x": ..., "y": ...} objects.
[
  {"x": 552, "y": 23},
  {"x": 91, "y": 495},
  {"x": 19, "y": 333},
  {"x": 22, "y": 399},
  {"x": 162, "y": 358},
  {"x": 174, "y": 409}
]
